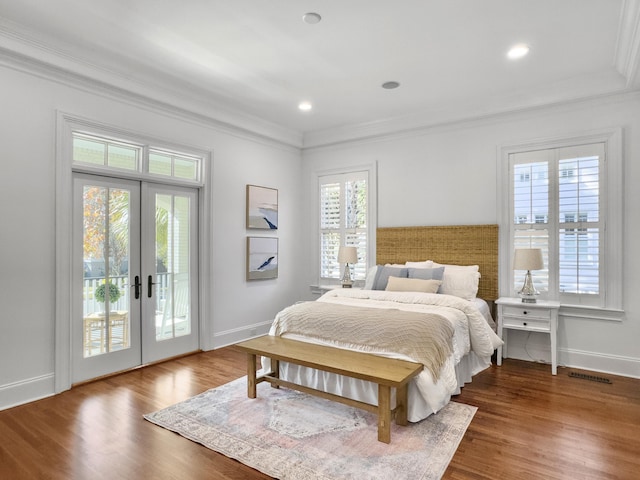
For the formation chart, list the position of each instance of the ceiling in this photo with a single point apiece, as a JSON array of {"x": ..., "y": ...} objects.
[{"x": 251, "y": 62}]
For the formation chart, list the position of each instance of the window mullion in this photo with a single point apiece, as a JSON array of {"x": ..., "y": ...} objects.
[{"x": 554, "y": 226}]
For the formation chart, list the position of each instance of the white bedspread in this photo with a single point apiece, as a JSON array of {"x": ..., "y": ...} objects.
[{"x": 474, "y": 341}]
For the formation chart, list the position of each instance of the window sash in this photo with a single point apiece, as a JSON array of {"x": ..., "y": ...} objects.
[
  {"x": 343, "y": 221},
  {"x": 556, "y": 206}
]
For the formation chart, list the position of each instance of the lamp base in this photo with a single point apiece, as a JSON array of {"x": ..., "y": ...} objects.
[
  {"x": 529, "y": 300},
  {"x": 346, "y": 277},
  {"x": 528, "y": 293}
]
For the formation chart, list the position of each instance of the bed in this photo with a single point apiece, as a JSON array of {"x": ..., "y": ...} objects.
[{"x": 429, "y": 299}]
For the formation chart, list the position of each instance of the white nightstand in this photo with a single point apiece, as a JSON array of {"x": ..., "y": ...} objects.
[
  {"x": 321, "y": 289},
  {"x": 541, "y": 316}
]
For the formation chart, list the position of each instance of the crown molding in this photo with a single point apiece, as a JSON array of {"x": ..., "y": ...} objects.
[
  {"x": 627, "y": 55},
  {"x": 61, "y": 70},
  {"x": 473, "y": 109},
  {"x": 23, "y": 52},
  {"x": 469, "y": 121}
]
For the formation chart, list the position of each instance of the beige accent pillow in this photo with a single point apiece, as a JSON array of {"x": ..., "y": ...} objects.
[{"x": 398, "y": 284}]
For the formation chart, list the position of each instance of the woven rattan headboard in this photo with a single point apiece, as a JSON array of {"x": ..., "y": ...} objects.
[{"x": 455, "y": 245}]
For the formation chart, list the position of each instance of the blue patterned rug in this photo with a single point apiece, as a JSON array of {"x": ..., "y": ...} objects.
[{"x": 294, "y": 436}]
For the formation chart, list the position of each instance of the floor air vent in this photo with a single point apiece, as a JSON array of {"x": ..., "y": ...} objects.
[{"x": 593, "y": 378}]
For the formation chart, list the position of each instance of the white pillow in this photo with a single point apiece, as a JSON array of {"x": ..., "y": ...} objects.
[
  {"x": 460, "y": 282},
  {"x": 425, "y": 264},
  {"x": 370, "y": 278},
  {"x": 398, "y": 284},
  {"x": 472, "y": 268}
]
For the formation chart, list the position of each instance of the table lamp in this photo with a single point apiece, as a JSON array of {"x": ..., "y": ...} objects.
[
  {"x": 528, "y": 259},
  {"x": 347, "y": 255}
]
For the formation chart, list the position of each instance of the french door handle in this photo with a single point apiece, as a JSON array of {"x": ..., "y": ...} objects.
[
  {"x": 136, "y": 287},
  {"x": 150, "y": 285}
]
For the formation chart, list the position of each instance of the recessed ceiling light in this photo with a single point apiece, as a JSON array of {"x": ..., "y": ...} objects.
[
  {"x": 311, "y": 18},
  {"x": 305, "y": 106},
  {"x": 390, "y": 85},
  {"x": 518, "y": 51}
]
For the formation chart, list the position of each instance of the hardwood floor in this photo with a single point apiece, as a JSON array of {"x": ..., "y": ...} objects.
[
  {"x": 529, "y": 425},
  {"x": 532, "y": 425}
]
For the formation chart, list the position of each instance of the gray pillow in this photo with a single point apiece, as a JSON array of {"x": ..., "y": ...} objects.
[
  {"x": 427, "y": 273},
  {"x": 383, "y": 274}
]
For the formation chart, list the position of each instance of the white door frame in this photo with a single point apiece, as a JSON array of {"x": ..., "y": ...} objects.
[{"x": 65, "y": 125}]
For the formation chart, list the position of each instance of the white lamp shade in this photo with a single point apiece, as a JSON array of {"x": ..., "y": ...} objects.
[
  {"x": 528, "y": 259},
  {"x": 348, "y": 255}
]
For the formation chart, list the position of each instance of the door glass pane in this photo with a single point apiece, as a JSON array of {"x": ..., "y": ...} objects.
[
  {"x": 173, "y": 232},
  {"x": 106, "y": 250}
]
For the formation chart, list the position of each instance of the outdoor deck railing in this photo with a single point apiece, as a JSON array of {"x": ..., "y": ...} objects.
[{"x": 91, "y": 305}]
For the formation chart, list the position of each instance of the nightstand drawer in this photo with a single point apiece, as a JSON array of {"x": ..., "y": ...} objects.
[
  {"x": 533, "y": 313},
  {"x": 529, "y": 323}
]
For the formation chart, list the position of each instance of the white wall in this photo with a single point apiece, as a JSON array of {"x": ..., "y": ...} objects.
[
  {"x": 444, "y": 175},
  {"x": 27, "y": 227},
  {"x": 447, "y": 175}
]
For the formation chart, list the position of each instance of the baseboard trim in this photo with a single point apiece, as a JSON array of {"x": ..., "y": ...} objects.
[
  {"x": 597, "y": 362},
  {"x": 26, "y": 391},
  {"x": 233, "y": 336},
  {"x": 593, "y": 361}
]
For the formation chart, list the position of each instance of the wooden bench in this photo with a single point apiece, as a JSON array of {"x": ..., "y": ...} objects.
[{"x": 386, "y": 372}]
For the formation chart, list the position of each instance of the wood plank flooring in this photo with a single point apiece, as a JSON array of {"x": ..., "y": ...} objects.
[{"x": 529, "y": 425}]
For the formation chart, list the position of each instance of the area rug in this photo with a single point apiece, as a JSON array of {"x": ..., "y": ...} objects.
[{"x": 294, "y": 436}]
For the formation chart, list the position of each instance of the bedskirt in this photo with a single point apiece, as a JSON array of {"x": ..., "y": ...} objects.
[{"x": 364, "y": 391}]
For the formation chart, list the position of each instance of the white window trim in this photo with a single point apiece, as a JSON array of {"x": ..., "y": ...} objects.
[
  {"x": 65, "y": 125},
  {"x": 372, "y": 211},
  {"x": 612, "y": 212}
]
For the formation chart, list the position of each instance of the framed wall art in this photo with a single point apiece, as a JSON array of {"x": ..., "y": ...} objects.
[
  {"x": 262, "y": 258},
  {"x": 262, "y": 208}
]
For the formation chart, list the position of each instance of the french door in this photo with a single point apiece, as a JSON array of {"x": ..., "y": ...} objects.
[{"x": 135, "y": 277}]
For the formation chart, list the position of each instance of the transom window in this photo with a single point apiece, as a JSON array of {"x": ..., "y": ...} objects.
[
  {"x": 173, "y": 165},
  {"x": 94, "y": 151}
]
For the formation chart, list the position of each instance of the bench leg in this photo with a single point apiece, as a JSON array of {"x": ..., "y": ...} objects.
[
  {"x": 384, "y": 413},
  {"x": 401, "y": 405},
  {"x": 275, "y": 371},
  {"x": 251, "y": 375}
]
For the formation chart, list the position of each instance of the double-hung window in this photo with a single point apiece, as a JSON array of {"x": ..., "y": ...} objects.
[
  {"x": 344, "y": 220},
  {"x": 566, "y": 200},
  {"x": 556, "y": 203}
]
